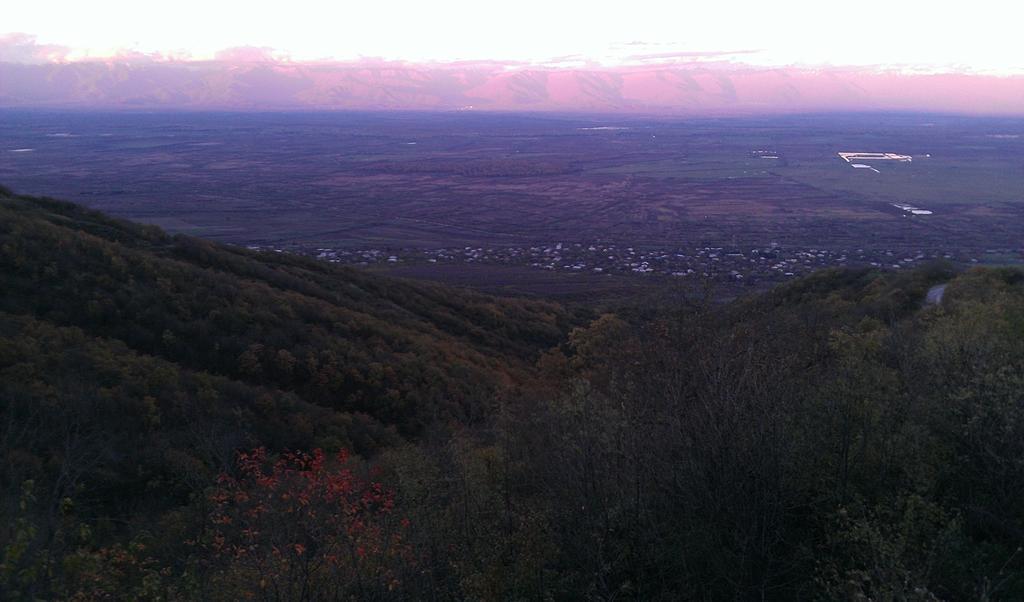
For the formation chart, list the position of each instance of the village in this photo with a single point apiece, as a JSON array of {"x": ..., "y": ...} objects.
[{"x": 771, "y": 263}]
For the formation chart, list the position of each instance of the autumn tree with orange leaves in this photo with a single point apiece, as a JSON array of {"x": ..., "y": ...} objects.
[{"x": 303, "y": 526}]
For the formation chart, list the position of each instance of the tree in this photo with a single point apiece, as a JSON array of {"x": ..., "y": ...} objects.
[{"x": 303, "y": 527}]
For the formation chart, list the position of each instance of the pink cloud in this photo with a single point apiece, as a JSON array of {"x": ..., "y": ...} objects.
[
  {"x": 23, "y": 48},
  {"x": 689, "y": 84},
  {"x": 247, "y": 54},
  {"x": 688, "y": 56}
]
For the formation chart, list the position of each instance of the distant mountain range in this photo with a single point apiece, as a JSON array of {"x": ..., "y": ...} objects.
[{"x": 698, "y": 88}]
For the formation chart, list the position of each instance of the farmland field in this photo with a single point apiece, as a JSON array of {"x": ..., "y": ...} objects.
[{"x": 416, "y": 192}]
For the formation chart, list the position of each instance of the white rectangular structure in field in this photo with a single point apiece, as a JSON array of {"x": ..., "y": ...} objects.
[{"x": 851, "y": 157}]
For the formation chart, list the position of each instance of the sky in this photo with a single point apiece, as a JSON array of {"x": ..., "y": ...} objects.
[{"x": 980, "y": 38}]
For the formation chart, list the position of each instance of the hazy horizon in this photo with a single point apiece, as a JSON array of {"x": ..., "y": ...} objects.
[
  {"x": 691, "y": 89},
  {"x": 722, "y": 59}
]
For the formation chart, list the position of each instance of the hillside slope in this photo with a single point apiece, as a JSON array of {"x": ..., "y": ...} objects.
[
  {"x": 135, "y": 365},
  {"x": 403, "y": 353},
  {"x": 163, "y": 399}
]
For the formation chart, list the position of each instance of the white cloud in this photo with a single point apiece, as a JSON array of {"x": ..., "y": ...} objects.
[{"x": 979, "y": 36}]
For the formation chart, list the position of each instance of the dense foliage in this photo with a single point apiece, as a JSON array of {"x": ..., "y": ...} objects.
[
  {"x": 405, "y": 354},
  {"x": 298, "y": 528},
  {"x": 163, "y": 403}
]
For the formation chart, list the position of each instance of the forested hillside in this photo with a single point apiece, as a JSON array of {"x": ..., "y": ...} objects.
[
  {"x": 403, "y": 354},
  {"x": 134, "y": 366},
  {"x": 181, "y": 420}
]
